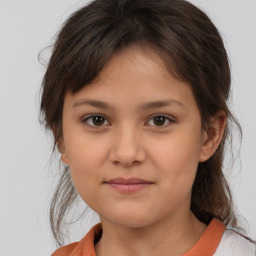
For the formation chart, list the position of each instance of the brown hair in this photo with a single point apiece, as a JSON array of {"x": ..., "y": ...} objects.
[{"x": 192, "y": 49}]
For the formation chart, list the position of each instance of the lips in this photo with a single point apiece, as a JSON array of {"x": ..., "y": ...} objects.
[
  {"x": 130, "y": 185},
  {"x": 128, "y": 181}
]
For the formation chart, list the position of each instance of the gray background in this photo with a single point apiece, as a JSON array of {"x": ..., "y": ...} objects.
[{"x": 27, "y": 174}]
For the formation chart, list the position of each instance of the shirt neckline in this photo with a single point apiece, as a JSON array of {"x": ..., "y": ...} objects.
[{"x": 205, "y": 246}]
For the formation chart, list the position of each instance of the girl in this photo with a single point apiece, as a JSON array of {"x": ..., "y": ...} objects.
[{"x": 136, "y": 97}]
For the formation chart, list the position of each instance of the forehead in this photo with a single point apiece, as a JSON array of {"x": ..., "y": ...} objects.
[
  {"x": 135, "y": 75},
  {"x": 142, "y": 60}
]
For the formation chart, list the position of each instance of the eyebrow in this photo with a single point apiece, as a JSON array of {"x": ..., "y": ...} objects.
[{"x": 143, "y": 106}]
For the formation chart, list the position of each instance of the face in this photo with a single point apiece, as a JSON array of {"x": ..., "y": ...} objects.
[{"x": 133, "y": 141}]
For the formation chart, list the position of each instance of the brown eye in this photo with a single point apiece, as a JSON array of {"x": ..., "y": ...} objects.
[
  {"x": 160, "y": 120},
  {"x": 98, "y": 120},
  {"x": 94, "y": 120}
]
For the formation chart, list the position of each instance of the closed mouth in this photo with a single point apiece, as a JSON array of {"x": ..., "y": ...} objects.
[
  {"x": 128, "y": 181},
  {"x": 128, "y": 186}
]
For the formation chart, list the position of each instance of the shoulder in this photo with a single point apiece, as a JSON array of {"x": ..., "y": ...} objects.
[
  {"x": 65, "y": 250},
  {"x": 86, "y": 245},
  {"x": 235, "y": 244}
]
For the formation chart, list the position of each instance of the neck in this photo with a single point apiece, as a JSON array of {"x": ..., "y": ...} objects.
[{"x": 171, "y": 237}]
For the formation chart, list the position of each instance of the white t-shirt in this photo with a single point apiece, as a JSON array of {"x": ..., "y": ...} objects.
[{"x": 233, "y": 244}]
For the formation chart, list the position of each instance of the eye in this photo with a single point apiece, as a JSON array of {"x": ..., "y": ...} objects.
[
  {"x": 160, "y": 120},
  {"x": 95, "y": 120},
  {"x": 99, "y": 120}
]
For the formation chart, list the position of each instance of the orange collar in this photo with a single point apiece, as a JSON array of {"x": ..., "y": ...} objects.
[
  {"x": 206, "y": 245},
  {"x": 209, "y": 241}
]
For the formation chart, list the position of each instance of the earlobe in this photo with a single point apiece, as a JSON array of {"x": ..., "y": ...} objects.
[
  {"x": 64, "y": 158},
  {"x": 62, "y": 150},
  {"x": 213, "y": 136}
]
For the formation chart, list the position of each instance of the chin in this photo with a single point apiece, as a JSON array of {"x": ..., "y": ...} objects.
[{"x": 131, "y": 219}]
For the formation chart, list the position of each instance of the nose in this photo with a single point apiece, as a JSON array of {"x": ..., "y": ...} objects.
[{"x": 127, "y": 149}]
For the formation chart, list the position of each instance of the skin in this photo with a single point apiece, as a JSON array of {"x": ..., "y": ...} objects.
[{"x": 130, "y": 143}]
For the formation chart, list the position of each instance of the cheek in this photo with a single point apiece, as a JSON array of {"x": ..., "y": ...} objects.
[
  {"x": 177, "y": 159},
  {"x": 84, "y": 151},
  {"x": 85, "y": 157}
]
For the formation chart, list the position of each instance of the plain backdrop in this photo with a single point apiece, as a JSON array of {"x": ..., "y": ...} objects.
[{"x": 28, "y": 174}]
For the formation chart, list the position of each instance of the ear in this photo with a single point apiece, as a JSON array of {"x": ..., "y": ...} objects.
[
  {"x": 60, "y": 143},
  {"x": 213, "y": 136},
  {"x": 64, "y": 158},
  {"x": 62, "y": 150}
]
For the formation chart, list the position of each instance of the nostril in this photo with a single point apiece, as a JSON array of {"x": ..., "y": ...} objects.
[{"x": 127, "y": 164}]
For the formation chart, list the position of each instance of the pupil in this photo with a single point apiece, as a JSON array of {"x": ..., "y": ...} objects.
[
  {"x": 159, "y": 120},
  {"x": 98, "y": 120}
]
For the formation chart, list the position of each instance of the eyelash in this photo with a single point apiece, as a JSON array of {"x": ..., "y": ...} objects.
[{"x": 85, "y": 119}]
